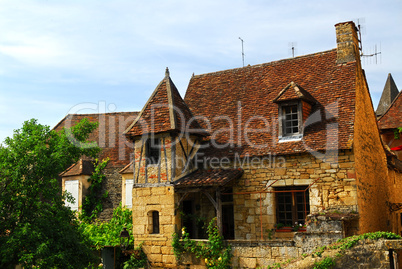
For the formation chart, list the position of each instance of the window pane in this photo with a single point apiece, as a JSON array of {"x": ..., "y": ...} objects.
[{"x": 290, "y": 120}]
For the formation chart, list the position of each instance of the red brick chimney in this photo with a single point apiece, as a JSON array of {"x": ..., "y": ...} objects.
[{"x": 347, "y": 42}]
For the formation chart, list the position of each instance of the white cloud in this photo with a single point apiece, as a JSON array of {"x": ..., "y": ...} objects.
[{"x": 86, "y": 51}]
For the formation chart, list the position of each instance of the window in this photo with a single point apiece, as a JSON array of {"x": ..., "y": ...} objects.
[
  {"x": 152, "y": 151},
  {"x": 290, "y": 120},
  {"x": 292, "y": 205},
  {"x": 129, "y": 192},
  {"x": 155, "y": 222},
  {"x": 72, "y": 187}
]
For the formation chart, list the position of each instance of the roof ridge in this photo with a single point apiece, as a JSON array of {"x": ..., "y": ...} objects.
[{"x": 264, "y": 64}]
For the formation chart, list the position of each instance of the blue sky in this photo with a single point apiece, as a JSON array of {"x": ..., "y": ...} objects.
[{"x": 59, "y": 57}]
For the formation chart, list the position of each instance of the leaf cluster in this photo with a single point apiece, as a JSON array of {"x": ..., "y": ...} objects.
[
  {"x": 137, "y": 260},
  {"x": 92, "y": 204},
  {"x": 36, "y": 229},
  {"x": 102, "y": 234},
  {"x": 215, "y": 252}
]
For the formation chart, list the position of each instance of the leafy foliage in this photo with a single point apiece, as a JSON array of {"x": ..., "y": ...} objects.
[
  {"x": 397, "y": 132},
  {"x": 215, "y": 253},
  {"x": 92, "y": 204},
  {"x": 103, "y": 234},
  {"x": 36, "y": 229},
  {"x": 326, "y": 263},
  {"x": 341, "y": 246},
  {"x": 137, "y": 260}
]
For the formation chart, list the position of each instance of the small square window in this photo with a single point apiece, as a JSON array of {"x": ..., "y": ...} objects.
[{"x": 152, "y": 151}]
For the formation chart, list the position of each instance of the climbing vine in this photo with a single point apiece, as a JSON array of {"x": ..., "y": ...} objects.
[
  {"x": 215, "y": 253},
  {"x": 103, "y": 234},
  {"x": 397, "y": 132},
  {"x": 92, "y": 203}
]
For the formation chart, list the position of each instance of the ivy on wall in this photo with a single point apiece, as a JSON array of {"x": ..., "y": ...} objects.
[
  {"x": 215, "y": 253},
  {"x": 397, "y": 132},
  {"x": 103, "y": 234},
  {"x": 92, "y": 204}
]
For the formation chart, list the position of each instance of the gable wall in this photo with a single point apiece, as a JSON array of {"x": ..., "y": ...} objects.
[{"x": 371, "y": 166}]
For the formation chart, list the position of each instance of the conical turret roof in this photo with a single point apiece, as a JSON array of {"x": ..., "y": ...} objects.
[
  {"x": 165, "y": 111},
  {"x": 388, "y": 96}
]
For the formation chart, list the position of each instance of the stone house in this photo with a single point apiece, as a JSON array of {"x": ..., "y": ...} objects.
[
  {"x": 287, "y": 155},
  {"x": 109, "y": 136}
]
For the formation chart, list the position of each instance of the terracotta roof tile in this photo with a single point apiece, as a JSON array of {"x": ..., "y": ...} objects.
[
  {"x": 244, "y": 97},
  {"x": 128, "y": 169},
  {"x": 207, "y": 178},
  {"x": 109, "y": 134},
  {"x": 294, "y": 92},
  {"x": 165, "y": 111},
  {"x": 392, "y": 117},
  {"x": 82, "y": 167}
]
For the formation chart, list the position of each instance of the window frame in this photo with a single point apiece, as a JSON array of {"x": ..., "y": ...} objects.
[
  {"x": 283, "y": 135},
  {"x": 281, "y": 192},
  {"x": 155, "y": 222},
  {"x": 152, "y": 151}
]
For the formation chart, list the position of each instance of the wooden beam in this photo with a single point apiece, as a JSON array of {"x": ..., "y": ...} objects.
[
  {"x": 219, "y": 211},
  {"x": 166, "y": 164},
  {"x": 139, "y": 163}
]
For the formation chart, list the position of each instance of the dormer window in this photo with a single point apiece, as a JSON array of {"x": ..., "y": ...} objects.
[
  {"x": 152, "y": 151},
  {"x": 294, "y": 107},
  {"x": 290, "y": 120}
]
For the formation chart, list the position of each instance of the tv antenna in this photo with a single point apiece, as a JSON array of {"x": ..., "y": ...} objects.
[
  {"x": 292, "y": 46},
  {"x": 242, "y": 49},
  {"x": 375, "y": 52}
]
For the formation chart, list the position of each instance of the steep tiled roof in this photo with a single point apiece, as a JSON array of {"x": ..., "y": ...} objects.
[
  {"x": 392, "y": 117},
  {"x": 388, "y": 96},
  {"x": 207, "y": 178},
  {"x": 82, "y": 167},
  {"x": 165, "y": 111},
  {"x": 109, "y": 134},
  {"x": 242, "y": 99}
]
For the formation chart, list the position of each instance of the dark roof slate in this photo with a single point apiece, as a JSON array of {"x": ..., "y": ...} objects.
[
  {"x": 388, "y": 95},
  {"x": 209, "y": 178}
]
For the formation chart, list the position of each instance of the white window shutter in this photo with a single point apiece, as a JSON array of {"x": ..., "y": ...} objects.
[
  {"x": 129, "y": 192},
  {"x": 72, "y": 187}
]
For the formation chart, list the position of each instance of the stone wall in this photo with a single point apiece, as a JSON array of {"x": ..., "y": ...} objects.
[
  {"x": 113, "y": 184},
  {"x": 370, "y": 161},
  {"x": 333, "y": 189},
  {"x": 157, "y": 246}
]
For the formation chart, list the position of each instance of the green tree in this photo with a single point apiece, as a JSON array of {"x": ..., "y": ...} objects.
[{"x": 36, "y": 229}]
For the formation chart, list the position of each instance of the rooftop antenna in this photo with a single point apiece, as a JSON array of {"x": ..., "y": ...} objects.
[
  {"x": 242, "y": 49},
  {"x": 292, "y": 46},
  {"x": 361, "y": 30}
]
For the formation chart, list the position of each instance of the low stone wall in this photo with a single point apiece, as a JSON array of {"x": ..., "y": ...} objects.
[
  {"x": 256, "y": 254},
  {"x": 369, "y": 254}
]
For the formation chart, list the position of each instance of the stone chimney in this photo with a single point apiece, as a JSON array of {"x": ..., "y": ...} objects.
[{"x": 347, "y": 42}]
